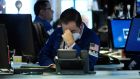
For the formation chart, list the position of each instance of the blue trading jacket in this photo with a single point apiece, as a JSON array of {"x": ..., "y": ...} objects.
[
  {"x": 44, "y": 23},
  {"x": 49, "y": 51}
]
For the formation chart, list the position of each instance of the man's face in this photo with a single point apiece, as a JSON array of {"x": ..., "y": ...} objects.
[
  {"x": 71, "y": 26},
  {"x": 47, "y": 13}
]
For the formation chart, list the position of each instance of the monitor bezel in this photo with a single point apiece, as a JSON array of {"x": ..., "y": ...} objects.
[{"x": 4, "y": 54}]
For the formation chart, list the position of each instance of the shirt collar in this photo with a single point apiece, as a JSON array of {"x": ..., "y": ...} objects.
[{"x": 83, "y": 26}]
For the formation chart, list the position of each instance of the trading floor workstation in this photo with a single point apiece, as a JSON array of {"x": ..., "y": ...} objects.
[{"x": 20, "y": 39}]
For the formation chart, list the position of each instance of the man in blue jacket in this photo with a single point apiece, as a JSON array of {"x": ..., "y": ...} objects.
[
  {"x": 43, "y": 28},
  {"x": 44, "y": 15},
  {"x": 73, "y": 34}
]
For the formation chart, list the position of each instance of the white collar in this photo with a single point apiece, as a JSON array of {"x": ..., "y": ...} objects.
[{"x": 82, "y": 31}]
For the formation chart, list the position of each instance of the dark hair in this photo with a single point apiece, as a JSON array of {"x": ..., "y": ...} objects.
[
  {"x": 56, "y": 23},
  {"x": 40, "y": 4},
  {"x": 71, "y": 15}
]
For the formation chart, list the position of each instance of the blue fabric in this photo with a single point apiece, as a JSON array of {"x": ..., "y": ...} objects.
[
  {"x": 49, "y": 51},
  {"x": 44, "y": 23}
]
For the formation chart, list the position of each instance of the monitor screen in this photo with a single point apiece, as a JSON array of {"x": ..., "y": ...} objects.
[
  {"x": 133, "y": 41},
  {"x": 19, "y": 31},
  {"x": 4, "y": 63},
  {"x": 138, "y": 6},
  {"x": 119, "y": 31}
]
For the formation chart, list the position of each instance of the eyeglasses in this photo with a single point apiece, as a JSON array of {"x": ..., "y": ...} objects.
[{"x": 48, "y": 9}]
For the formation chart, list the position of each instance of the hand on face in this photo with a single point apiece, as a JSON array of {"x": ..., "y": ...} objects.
[{"x": 68, "y": 37}]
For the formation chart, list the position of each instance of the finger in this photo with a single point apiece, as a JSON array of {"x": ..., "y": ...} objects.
[
  {"x": 62, "y": 36},
  {"x": 68, "y": 32}
]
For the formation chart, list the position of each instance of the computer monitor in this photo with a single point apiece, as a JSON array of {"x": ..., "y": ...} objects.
[
  {"x": 138, "y": 6},
  {"x": 20, "y": 32},
  {"x": 132, "y": 46},
  {"x": 4, "y": 61},
  {"x": 119, "y": 29}
]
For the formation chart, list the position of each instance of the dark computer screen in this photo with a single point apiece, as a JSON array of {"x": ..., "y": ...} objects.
[
  {"x": 119, "y": 31},
  {"x": 19, "y": 31},
  {"x": 133, "y": 41},
  {"x": 4, "y": 62}
]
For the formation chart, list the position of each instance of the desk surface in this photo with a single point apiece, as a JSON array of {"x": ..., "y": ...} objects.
[
  {"x": 98, "y": 75},
  {"x": 109, "y": 67},
  {"x": 97, "y": 67}
]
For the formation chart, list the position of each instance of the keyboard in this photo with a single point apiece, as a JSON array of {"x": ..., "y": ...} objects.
[
  {"x": 6, "y": 72},
  {"x": 33, "y": 69}
]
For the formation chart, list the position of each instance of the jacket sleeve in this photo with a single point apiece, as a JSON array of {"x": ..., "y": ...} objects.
[
  {"x": 93, "y": 59},
  {"x": 46, "y": 53},
  {"x": 95, "y": 38},
  {"x": 77, "y": 48}
]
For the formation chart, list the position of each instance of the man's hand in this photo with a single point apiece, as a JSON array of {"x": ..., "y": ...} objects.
[
  {"x": 53, "y": 66},
  {"x": 68, "y": 37}
]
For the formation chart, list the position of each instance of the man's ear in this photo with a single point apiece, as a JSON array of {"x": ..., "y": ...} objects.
[{"x": 81, "y": 26}]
